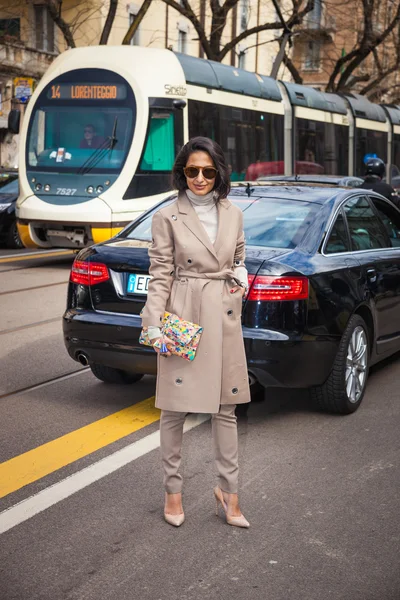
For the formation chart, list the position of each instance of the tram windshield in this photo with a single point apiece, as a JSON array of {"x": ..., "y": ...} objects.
[{"x": 80, "y": 126}]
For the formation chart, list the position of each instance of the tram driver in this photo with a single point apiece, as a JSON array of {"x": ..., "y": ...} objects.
[{"x": 90, "y": 139}]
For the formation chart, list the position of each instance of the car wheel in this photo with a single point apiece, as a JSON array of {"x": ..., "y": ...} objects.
[
  {"x": 344, "y": 389},
  {"x": 13, "y": 239},
  {"x": 110, "y": 375}
]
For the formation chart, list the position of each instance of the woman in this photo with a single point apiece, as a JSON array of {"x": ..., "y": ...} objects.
[{"x": 198, "y": 273}]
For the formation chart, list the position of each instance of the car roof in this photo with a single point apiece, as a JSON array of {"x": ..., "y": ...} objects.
[
  {"x": 330, "y": 179},
  {"x": 291, "y": 190}
]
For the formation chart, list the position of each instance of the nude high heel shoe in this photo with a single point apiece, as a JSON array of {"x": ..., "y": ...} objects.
[
  {"x": 235, "y": 521},
  {"x": 175, "y": 520}
]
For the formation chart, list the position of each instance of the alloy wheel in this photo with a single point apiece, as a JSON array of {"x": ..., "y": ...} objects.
[{"x": 356, "y": 364}]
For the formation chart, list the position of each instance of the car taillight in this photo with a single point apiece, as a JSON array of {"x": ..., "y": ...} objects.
[
  {"x": 267, "y": 287},
  {"x": 88, "y": 273}
]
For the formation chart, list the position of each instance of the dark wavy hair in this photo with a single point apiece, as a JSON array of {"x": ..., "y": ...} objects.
[{"x": 222, "y": 184}]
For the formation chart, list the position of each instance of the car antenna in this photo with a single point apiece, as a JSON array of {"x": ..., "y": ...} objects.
[{"x": 249, "y": 190}]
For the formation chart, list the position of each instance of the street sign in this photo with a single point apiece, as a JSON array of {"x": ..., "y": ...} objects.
[{"x": 23, "y": 88}]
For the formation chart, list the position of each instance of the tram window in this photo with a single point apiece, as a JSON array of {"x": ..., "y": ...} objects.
[
  {"x": 369, "y": 142},
  {"x": 321, "y": 148},
  {"x": 159, "y": 151},
  {"x": 252, "y": 141}
]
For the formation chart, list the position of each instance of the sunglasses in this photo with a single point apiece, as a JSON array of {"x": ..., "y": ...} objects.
[
  {"x": 89, "y": 131},
  {"x": 208, "y": 172}
]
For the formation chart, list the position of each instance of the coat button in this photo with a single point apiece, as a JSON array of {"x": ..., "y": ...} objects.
[
  {"x": 178, "y": 381},
  {"x": 237, "y": 263},
  {"x": 234, "y": 390},
  {"x": 189, "y": 261},
  {"x": 174, "y": 217},
  {"x": 229, "y": 312}
]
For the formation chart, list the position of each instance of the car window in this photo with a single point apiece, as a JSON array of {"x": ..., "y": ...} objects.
[
  {"x": 366, "y": 230},
  {"x": 270, "y": 222},
  {"x": 338, "y": 239},
  {"x": 391, "y": 220},
  {"x": 9, "y": 185}
]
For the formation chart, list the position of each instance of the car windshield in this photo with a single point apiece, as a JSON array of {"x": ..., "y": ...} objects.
[
  {"x": 9, "y": 184},
  {"x": 269, "y": 222}
]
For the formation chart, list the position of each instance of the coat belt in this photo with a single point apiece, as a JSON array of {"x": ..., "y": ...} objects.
[{"x": 202, "y": 279}]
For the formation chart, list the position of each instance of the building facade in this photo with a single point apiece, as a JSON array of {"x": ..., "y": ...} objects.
[{"x": 30, "y": 40}]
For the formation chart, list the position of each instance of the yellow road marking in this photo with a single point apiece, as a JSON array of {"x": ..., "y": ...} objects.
[
  {"x": 36, "y": 256},
  {"x": 39, "y": 462}
]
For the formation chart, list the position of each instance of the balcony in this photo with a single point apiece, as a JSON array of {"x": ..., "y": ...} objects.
[
  {"x": 318, "y": 25},
  {"x": 16, "y": 59}
]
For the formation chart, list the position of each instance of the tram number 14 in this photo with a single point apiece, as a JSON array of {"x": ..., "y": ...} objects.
[
  {"x": 66, "y": 191},
  {"x": 55, "y": 91}
]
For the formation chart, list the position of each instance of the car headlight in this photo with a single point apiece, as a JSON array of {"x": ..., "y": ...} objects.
[{"x": 4, "y": 207}]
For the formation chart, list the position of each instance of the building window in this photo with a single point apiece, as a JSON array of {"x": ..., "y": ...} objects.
[
  {"x": 182, "y": 41},
  {"x": 244, "y": 15},
  {"x": 44, "y": 27},
  {"x": 313, "y": 18},
  {"x": 242, "y": 59},
  {"x": 135, "y": 41},
  {"x": 10, "y": 28},
  {"x": 312, "y": 58}
]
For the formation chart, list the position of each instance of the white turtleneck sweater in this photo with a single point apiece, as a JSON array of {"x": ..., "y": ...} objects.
[{"x": 206, "y": 210}]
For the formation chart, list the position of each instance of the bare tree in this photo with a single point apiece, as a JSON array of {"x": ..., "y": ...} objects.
[
  {"x": 211, "y": 40},
  {"x": 68, "y": 28},
  {"x": 134, "y": 26},
  {"x": 366, "y": 49}
]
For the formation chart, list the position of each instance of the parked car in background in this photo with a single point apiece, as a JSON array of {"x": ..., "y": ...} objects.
[
  {"x": 323, "y": 304},
  {"x": 9, "y": 190},
  {"x": 340, "y": 180}
]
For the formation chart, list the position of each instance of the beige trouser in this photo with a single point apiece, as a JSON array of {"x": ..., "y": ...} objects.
[{"x": 225, "y": 442}]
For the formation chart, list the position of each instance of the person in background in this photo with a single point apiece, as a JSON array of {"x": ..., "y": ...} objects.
[
  {"x": 198, "y": 272},
  {"x": 374, "y": 173},
  {"x": 90, "y": 139}
]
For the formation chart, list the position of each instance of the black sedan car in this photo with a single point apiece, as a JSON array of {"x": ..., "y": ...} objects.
[
  {"x": 323, "y": 303},
  {"x": 9, "y": 191}
]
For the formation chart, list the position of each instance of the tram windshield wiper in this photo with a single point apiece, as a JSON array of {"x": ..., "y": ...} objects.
[{"x": 100, "y": 152}]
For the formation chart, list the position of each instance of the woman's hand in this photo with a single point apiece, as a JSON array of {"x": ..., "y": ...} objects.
[
  {"x": 239, "y": 288},
  {"x": 159, "y": 341}
]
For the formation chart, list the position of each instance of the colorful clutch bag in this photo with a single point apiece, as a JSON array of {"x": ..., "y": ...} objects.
[{"x": 184, "y": 335}]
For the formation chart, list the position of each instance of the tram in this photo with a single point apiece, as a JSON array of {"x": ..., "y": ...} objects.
[{"x": 104, "y": 125}]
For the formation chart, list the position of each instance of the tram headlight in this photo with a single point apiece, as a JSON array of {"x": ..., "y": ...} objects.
[
  {"x": 99, "y": 189},
  {"x": 90, "y": 189},
  {"x": 47, "y": 187},
  {"x": 38, "y": 187}
]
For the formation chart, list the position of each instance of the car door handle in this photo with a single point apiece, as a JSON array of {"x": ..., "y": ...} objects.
[{"x": 371, "y": 274}]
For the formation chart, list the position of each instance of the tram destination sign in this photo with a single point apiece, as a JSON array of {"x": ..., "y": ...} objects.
[{"x": 88, "y": 91}]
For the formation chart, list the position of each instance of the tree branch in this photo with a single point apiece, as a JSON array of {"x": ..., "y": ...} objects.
[
  {"x": 228, "y": 47},
  {"x": 189, "y": 14},
  {"x": 134, "y": 26},
  {"x": 105, "y": 34},
  {"x": 55, "y": 13},
  {"x": 292, "y": 69}
]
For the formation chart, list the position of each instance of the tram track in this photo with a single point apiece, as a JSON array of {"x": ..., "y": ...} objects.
[
  {"x": 35, "y": 287},
  {"x": 30, "y": 325},
  {"x": 36, "y": 386}
]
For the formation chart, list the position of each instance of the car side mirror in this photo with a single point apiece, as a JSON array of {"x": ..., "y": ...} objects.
[{"x": 14, "y": 120}]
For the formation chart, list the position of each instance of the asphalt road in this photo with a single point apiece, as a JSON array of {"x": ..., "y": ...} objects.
[{"x": 81, "y": 487}]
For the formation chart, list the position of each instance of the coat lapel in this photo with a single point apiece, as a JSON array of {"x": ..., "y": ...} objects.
[{"x": 193, "y": 223}]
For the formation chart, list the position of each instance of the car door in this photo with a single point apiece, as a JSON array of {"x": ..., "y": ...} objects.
[
  {"x": 380, "y": 273},
  {"x": 390, "y": 261}
]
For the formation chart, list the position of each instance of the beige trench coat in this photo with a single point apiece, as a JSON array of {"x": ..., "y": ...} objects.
[{"x": 180, "y": 252}]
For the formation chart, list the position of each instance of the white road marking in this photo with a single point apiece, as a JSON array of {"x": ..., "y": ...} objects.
[{"x": 15, "y": 515}]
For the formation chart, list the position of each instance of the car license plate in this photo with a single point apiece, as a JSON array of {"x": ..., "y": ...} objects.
[{"x": 137, "y": 284}]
